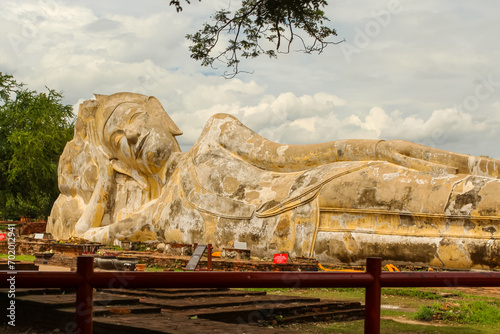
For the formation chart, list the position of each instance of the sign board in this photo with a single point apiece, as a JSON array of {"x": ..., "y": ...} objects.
[
  {"x": 280, "y": 258},
  {"x": 38, "y": 235},
  {"x": 2, "y": 236},
  {"x": 240, "y": 245},
  {"x": 196, "y": 257}
]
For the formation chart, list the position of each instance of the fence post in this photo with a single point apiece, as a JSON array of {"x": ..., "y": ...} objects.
[
  {"x": 84, "y": 295},
  {"x": 373, "y": 296},
  {"x": 209, "y": 257}
]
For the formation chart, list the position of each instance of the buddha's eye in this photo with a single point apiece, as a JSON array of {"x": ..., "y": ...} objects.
[{"x": 135, "y": 115}]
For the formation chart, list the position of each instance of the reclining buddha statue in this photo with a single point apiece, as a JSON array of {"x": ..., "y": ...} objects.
[{"x": 123, "y": 177}]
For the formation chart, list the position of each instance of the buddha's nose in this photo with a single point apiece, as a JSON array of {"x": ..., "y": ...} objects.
[{"x": 132, "y": 136}]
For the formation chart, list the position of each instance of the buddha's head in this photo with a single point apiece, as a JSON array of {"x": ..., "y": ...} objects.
[
  {"x": 120, "y": 134},
  {"x": 136, "y": 130}
]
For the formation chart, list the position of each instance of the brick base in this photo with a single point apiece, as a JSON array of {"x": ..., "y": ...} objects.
[{"x": 66, "y": 254}]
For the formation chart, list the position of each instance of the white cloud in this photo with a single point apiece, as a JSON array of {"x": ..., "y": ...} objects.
[{"x": 412, "y": 81}]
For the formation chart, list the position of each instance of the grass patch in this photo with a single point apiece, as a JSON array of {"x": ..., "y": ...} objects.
[
  {"x": 4, "y": 227},
  {"x": 463, "y": 312},
  {"x": 27, "y": 258},
  {"x": 412, "y": 292}
]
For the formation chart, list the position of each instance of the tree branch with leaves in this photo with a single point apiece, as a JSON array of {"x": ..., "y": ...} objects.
[{"x": 260, "y": 27}]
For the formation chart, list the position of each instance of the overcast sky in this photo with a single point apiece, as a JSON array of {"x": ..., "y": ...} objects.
[{"x": 424, "y": 71}]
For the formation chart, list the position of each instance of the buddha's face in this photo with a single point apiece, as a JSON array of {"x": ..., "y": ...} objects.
[{"x": 138, "y": 135}]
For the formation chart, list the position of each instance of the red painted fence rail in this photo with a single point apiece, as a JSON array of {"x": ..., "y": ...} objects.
[{"x": 85, "y": 280}]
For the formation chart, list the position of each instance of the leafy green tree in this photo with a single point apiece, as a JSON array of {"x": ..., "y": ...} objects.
[
  {"x": 7, "y": 86},
  {"x": 260, "y": 27},
  {"x": 34, "y": 128}
]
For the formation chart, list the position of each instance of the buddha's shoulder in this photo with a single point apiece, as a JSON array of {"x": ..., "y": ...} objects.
[
  {"x": 222, "y": 118},
  {"x": 220, "y": 124},
  {"x": 219, "y": 132}
]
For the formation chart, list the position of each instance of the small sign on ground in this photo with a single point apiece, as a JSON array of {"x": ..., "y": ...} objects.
[{"x": 196, "y": 257}]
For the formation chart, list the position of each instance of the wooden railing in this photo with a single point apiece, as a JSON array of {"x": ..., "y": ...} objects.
[{"x": 373, "y": 279}]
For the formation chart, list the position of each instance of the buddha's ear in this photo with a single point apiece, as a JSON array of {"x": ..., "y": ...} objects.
[{"x": 172, "y": 127}]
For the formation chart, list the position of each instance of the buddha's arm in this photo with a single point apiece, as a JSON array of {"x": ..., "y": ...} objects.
[{"x": 265, "y": 154}]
